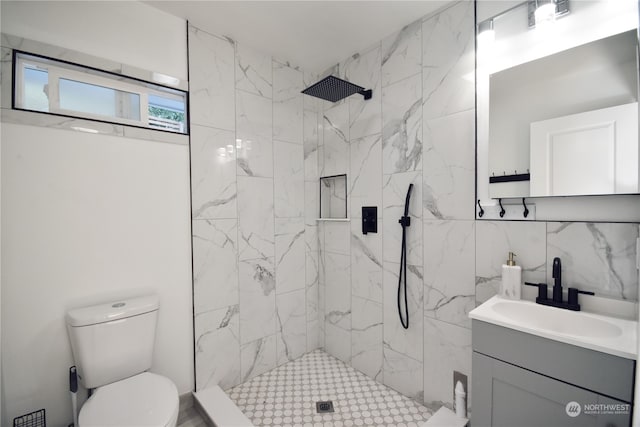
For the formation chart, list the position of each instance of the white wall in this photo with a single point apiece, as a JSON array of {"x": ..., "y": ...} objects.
[
  {"x": 1, "y": 376},
  {"x": 636, "y": 400},
  {"x": 89, "y": 218},
  {"x": 129, "y": 32}
]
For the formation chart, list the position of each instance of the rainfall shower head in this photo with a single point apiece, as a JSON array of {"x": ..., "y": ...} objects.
[{"x": 334, "y": 89}]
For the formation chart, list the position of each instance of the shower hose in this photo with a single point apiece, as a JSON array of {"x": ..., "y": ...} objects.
[{"x": 405, "y": 222}]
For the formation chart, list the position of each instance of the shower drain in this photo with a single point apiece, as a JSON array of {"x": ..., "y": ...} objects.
[{"x": 324, "y": 406}]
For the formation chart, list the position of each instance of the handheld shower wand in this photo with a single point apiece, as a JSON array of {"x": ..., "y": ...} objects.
[{"x": 405, "y": 222}]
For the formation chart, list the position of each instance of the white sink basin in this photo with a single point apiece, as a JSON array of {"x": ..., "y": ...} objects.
[
  {"x": 594, "y": 331},
  {"x": 557, "y": 320}
]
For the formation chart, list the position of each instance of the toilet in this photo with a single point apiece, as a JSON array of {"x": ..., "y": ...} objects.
[{"x": 112, "y": 347}]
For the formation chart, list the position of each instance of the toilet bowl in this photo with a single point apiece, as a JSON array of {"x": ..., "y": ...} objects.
[
  {"x": 112, "y": 346},
  {"x": 142, "y": 400}
]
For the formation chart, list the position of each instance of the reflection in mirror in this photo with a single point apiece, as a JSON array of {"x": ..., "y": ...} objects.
[
  {"x": 333, "y": 196},
  {"x": 557, "y": 102}
]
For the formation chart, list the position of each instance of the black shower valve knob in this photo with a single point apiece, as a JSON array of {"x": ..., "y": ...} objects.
[{"x": 369, "y": 219}]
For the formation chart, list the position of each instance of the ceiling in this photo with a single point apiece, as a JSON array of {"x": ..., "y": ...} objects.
[{"x": 311, "y": 34}]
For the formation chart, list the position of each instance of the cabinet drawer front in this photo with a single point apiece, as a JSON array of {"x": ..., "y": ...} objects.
[{"x": 600, "y": 372}]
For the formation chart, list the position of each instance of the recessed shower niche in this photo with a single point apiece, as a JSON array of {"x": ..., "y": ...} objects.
[{"x": 333, "y": 197}]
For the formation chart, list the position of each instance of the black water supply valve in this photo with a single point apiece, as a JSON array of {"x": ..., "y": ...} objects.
[{"x": 369, "y": 219}]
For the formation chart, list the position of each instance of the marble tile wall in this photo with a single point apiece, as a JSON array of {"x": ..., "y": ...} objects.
[
  {"x": 400, "y": 137},
  {"x": 598, "y": 257},
  {"x": 419, "y": 128},
  {"x": 254, "y": 152}
]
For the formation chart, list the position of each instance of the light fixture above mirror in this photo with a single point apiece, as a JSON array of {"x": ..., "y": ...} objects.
[
  {"x": 486, "y": 33},
  {"x": 546, "y": 11}
]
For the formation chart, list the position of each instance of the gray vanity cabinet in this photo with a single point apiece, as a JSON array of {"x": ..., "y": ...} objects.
[{"x": 522, "y": 380}]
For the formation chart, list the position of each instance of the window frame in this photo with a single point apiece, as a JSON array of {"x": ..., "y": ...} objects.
[{"x": 59, "y": 69}]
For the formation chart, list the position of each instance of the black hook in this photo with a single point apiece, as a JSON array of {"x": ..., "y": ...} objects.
[
  {"x": 481, "y": 210},
  {"x": 526, "y": 210},
  {"x": 502, "y": 211}
]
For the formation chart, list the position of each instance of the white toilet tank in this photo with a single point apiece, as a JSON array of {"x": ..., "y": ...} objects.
[{"x": 113, "y": 341}]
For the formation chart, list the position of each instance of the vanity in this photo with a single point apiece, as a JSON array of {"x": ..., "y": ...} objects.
[
  {"x": 556, "y": 141},
  {"x": 535, "y": 365}
]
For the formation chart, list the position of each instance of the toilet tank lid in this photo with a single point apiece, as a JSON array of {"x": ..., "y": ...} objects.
[{"x": 114, "y": 310}]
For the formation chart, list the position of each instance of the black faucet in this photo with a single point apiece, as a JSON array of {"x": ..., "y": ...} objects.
[
  {"x": 556, "y": 301},
  {"x": 557, "y": 283}
]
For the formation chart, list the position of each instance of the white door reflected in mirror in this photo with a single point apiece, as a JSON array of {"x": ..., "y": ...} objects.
[{"x": 586, "y": 154}]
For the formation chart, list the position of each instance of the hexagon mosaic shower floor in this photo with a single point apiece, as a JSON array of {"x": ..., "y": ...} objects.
[{"x": 287, "y": 396}]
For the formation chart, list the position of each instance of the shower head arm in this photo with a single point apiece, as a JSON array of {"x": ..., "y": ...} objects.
[{"x": 366, "y": 93}]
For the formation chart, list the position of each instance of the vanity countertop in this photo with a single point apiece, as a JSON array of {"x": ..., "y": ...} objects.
[{"x": 598, "y": 332}]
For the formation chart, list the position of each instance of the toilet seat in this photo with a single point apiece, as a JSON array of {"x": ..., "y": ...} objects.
[{"x": 142, "y": 400}]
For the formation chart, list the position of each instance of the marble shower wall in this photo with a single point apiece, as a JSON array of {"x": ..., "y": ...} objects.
[
  {"x": 419, "y": 128},
  {"x": 254, "y": 150}
]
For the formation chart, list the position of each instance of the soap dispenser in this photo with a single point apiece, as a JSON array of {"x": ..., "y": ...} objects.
[{"x": 511, "y": 278}]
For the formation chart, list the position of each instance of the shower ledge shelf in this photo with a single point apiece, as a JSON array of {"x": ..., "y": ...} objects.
[{"x": 334, "y": 219}]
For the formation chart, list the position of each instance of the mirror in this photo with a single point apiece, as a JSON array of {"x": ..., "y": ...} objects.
[
  {"x": 333, "y": 197},
  {"x": 558, "y": 102}
]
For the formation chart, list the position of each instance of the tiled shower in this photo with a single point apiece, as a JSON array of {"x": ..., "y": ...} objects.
[
  {"x": 255, "y": 268},
  {"x": 272, "y": 283},
  {"x": 418, "y": 129}
]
